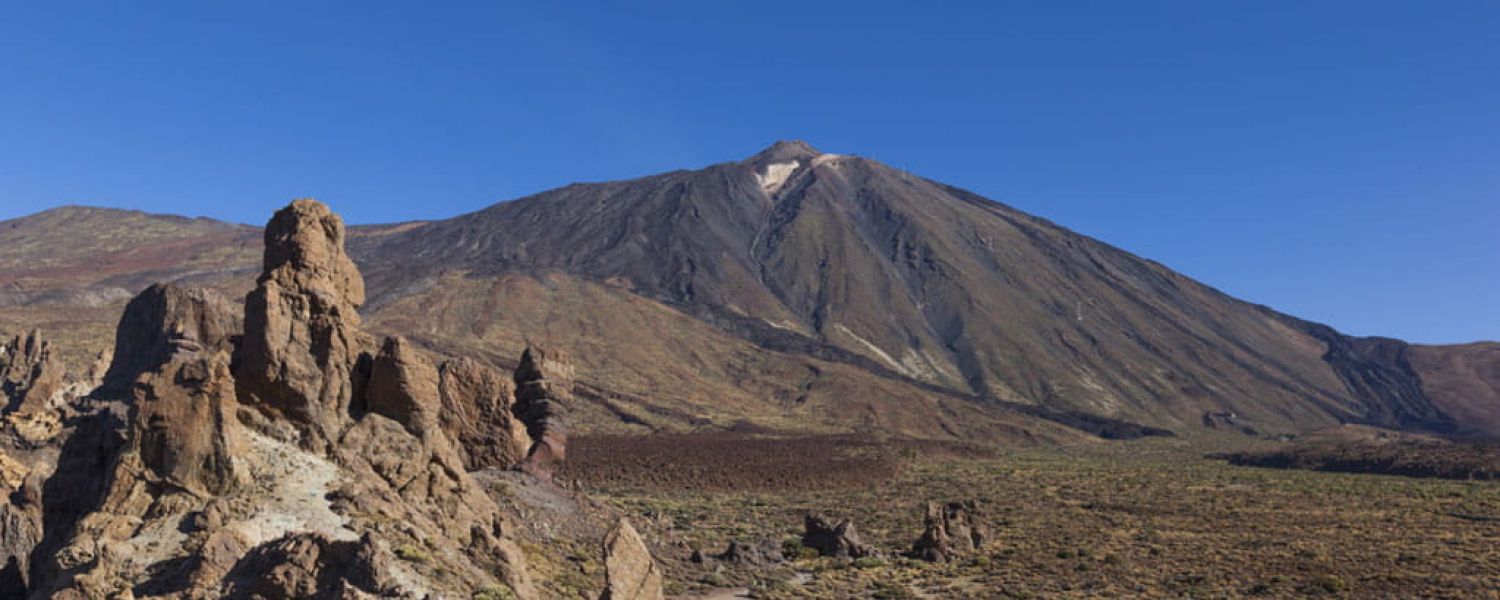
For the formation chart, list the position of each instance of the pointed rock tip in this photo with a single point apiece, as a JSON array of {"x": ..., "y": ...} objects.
[{"x": 785, "y": 150}]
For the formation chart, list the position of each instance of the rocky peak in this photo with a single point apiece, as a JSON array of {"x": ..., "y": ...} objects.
[
  {"x": 784, "y": 151},
  {"x": 304, "y": 243},
  {"x": 343, "y": 445},
  {"x": 302, "y": 340}
]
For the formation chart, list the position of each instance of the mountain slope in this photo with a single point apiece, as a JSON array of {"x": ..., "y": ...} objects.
[
  {"x": 927, "y": 282},
  {"x": 829, "y": 291}
]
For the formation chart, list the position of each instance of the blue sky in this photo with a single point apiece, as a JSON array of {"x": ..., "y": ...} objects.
[{"x": 1336, "y": 160}]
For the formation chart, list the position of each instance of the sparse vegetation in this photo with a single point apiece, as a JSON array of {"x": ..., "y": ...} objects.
[
  {"x": 498, "y": 592},
  {"x": 411, "y": 553},
  {"x": 1148, "y": 518}
]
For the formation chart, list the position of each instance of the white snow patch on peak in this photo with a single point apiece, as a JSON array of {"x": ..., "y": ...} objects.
[{"x": 776, "y": 174}]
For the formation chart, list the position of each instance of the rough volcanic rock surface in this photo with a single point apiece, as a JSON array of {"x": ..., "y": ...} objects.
[
  {"x": 32, "y": 387},
  {"x": 174, "y": 349},
  {"x": 631, "y": 573},
  {"x": 404, "y": 387},
  {"x": 833, "y": 539},
  {"x": 311, "y": 566},
  {"x": 952, "y": 529},
  {"x": 760, "y": 554},
  {"x": 477, "y": 414},
  {"x": 172, "y": 486},
  {"x": 302, "y": 340},
  {"x": 543, "y": 384}
]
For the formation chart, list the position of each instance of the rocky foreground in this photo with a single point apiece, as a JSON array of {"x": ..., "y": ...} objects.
[{"x": 285, "y": 453}]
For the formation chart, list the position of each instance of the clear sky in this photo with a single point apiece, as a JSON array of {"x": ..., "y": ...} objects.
[{"x": 1336, "y": 160}]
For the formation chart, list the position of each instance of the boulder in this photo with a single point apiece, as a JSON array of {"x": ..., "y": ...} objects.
[
  {"x": 762, "y": 554},
  {"x": 302, "y": 341},
  {"x": 477, "y": 415},
  {"x": 630, "y": 572},
  {"x": 952, "y": 529},
  {"x": 833, "y": 539}
]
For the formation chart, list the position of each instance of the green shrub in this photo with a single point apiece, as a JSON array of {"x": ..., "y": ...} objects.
[
  {"x": 868, "y": 562},
  {"x": 495, "y": 592},
  {"x": 411, "y": 553}
]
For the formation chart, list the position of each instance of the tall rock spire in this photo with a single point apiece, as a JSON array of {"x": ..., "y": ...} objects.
[{"x": 302, "y": 338}]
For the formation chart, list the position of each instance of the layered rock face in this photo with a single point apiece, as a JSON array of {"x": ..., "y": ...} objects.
[
  {"x": 302, "y": 340},
  {"x": 542, "y": 387}
]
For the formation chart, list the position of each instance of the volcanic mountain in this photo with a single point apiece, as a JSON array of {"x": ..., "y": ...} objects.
[{"x": 804, "y": 290}]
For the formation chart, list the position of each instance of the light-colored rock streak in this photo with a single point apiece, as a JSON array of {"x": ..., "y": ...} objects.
[
  {"x": 900, "y": 368},
  {"x": 775, "y": 176},
  {"x": 295, "y": 500}
]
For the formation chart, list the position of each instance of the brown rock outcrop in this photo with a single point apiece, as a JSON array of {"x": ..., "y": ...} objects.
[
  {"x": 477, "y": 415},
  {"x": 172, "y": 486},
  {"x": 952, "y": 529},
  {"x": 312, "y": 566},
  {"x": 165, "y": 320},
  {"x": 31, "y": 388},
  {"x": 543, "y": 385},
  {"x": 302, "y": 340},
  {"x": 630, "y": 572},
  {"x": 182, "y": 447},
  {"x": 404, "y": 386},
  {"x": 174, "y": 344},
  {"x": 833, "y": 539}
]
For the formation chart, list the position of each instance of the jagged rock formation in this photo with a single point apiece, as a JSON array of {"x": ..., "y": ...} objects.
[
  {"x": 477, "y": 414},
  {"x": 183, "y": 446},
  {"x": 31, "y": 387},
  {"x": 833, "y": 539},
  {"x": 952, "y": 529},
  {"x": 173, "y": 344},
  {"x": 302, "y": 340},
  {"x": 631, "y": 573},
  {"x": 291, "y": 475},
  {"x": 542, "y": 385}
]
